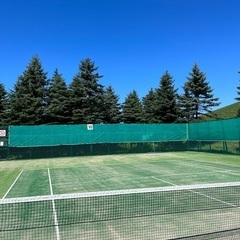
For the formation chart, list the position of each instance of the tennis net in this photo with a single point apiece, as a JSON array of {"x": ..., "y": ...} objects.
[{"x": 206, "y": 211}]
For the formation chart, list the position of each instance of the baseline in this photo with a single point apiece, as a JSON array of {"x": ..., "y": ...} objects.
[{"x": 206, "y": 167}]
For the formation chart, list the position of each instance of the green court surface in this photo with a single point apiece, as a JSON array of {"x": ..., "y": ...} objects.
[
  {"x": 102, "y": 173},
  {"x": 117, "y": 218}
]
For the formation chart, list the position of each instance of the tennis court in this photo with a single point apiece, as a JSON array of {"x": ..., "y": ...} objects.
[
  {"x": 135, "y": 196},
  {"x": 150, "y": 170}
]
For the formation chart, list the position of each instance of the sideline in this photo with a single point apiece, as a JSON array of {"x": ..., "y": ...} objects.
[
  {"x": 200, "y": 193},
  {"x": 12, "y": 185},
  {"x": 54, "y": 208}
]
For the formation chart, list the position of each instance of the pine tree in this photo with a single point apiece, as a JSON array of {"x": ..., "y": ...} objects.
[
  {"x": 112, "y": 107},
  {"x": 186, "y": 106},
  {"x": 132, "y": 109},
  {"x": 77, "y": 100},
  {"x": 28, "y": 99},
  {"x": 57, "y": 109},
  {"x": 3, "y": 106},
  {"x": 166, "y": 101},
  {"x": 238, "y": 98},
  {"x": 149, "y": 107},
  {"x": 238, "y": 92},
  {"x": 200, "y": 93},
  {"x": 86, "y": 94}
]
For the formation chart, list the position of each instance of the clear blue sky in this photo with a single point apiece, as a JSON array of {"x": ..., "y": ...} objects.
[{"x": 133, "y": 42}]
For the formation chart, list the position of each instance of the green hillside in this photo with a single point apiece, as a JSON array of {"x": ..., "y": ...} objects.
[{"x": 230, "y": 111}]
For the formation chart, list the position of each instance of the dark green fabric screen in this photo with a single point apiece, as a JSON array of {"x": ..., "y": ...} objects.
[
  {"x": 221, "y": 130},
  {"x": 53, "y": 135}
]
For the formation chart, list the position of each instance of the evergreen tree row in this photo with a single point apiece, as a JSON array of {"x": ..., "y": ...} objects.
[{"x": 35, "y": 99}]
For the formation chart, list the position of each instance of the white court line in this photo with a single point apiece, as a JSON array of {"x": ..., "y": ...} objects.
[
  {"x": 212, "y": 168},
  {"x": 199, "y": 193},
  {"x": 54, "y": 208},
  {"x": 12, "y": 184},
  {"x": 164, "y": 181}
]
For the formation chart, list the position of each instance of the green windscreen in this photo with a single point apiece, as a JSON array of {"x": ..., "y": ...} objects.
[
  {"x": 221, "y": 130},
  {"x": 56, "y": 135},
  {"x": 53, "y": 135}
]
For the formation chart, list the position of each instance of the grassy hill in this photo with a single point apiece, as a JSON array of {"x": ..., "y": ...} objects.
[{"x": 230, "y": 111}]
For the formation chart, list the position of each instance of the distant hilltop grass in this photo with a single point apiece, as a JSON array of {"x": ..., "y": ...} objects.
[{"x": 230, "y": 111}]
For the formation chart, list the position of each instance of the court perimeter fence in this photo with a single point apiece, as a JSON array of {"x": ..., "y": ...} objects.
[{"x": 42, "y": 141}]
